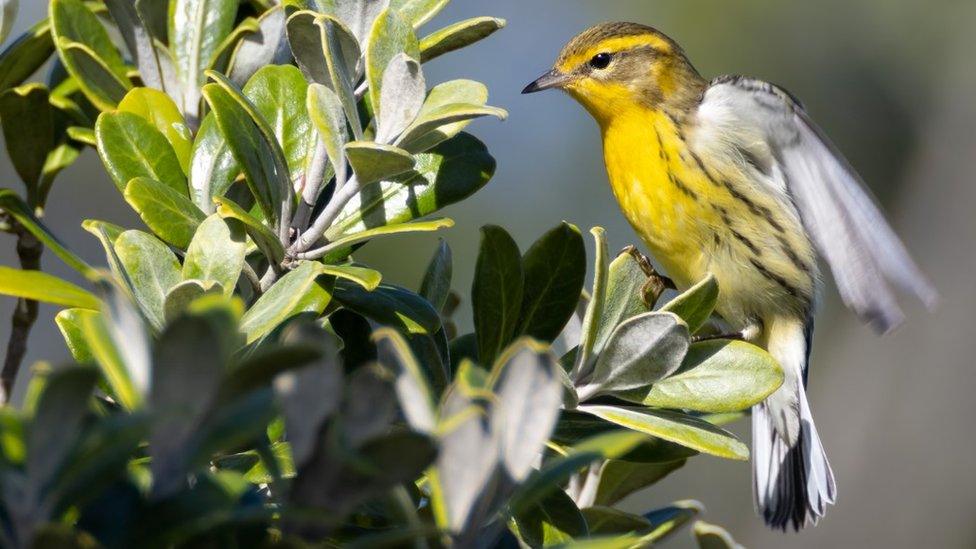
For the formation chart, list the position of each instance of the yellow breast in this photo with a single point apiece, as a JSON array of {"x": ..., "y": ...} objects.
[
  {"x": 664, "y": 202},
  {"x": 697, "y": 216}
]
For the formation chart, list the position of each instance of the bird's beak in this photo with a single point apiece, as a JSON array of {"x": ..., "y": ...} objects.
[{"x": 552, "y": 79}]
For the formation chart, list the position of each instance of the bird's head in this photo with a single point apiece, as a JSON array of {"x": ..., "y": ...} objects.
[{"x": 614, "y": 67}]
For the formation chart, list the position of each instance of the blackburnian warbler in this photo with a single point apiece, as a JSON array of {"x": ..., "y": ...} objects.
[{"x": 731, "y": 177}]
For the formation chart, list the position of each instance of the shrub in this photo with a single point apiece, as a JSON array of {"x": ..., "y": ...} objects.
[{"x": 241, "y": 380}]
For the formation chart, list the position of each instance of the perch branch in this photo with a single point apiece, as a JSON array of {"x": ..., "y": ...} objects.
[{"x": 25, "y": 314}]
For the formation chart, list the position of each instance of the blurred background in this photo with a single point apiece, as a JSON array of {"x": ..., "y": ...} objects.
[{"x": 891, "y": 81}]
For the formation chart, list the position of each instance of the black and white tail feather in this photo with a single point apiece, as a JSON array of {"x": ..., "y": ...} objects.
[
  {"x": 792, "y": 477},
  {"x": 792, "y": 480}
]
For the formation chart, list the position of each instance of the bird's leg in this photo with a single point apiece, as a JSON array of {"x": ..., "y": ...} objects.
[
  {"x": 655, "y": 284},
  {"x": 749, "y": 333}
]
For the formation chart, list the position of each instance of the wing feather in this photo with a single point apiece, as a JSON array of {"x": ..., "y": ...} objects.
[{"x": 840, "y": 216}]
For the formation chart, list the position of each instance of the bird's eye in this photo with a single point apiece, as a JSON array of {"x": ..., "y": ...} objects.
[{"x": 601, "y": 61}]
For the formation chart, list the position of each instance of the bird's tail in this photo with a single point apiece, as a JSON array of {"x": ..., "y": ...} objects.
[{"x": 792, "y": 479}]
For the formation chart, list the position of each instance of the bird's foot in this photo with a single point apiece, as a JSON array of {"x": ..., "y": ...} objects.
[{"x": 655, "y": 284}]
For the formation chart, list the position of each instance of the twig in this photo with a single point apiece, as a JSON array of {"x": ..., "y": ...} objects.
[
  {"x": 25, "y": 314},
  {"x": 252, "y": 278},
  {"x": 328, "y": 215}
]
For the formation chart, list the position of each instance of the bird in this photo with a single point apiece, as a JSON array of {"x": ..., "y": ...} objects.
[{"x": 732, "y": 177}]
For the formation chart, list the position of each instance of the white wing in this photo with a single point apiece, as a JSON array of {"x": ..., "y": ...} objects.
[{"x": 840, "y": 216}]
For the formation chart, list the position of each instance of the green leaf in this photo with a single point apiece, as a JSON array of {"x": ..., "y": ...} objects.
[
  {"x": 368, "y": 279},
  {"x": 673, "y": 426},
  {"x": 556, "y": 471},
  {"x": 88, "y": 53},
  {"x": 668, "y": 520},
  {"x": 180, "y": 297},
  {"x": 624, "y": 283},
  {"x": 390, "y": 306},
  {"x": 297, "y": 292},
  {"x": 189, "y": 361},
  {"x": 54, "y": 430},
  {"x": 131, "y": 147},
  {"x": 216, "y": 253},
  {"x": 69, "y": 322},
  {"x": 696, "y": 305},
  {"x": 458, "y": 35},
  {"x": 8, "y": 13},
  {"x": 439, "y": 123},
  {"x": 110, "y": 360},
  {"x": 254, "y": 146},
  {"x": 28, "y": 130},
  {"x": 39, "y": 286},
  {"x": 555, "y": 269},
  {"x": 169, "y": 214},
  {"x": 325, "y": 110},
  {"x": 416, "y": 398},
  {"x": 220, "y": 62},
  {"x": 717, "y": 376},
  {"x": 619, "y": 479},
  {"x": 308, "y": 397},
  {"x": 107, "y": 234},
  {"x": 16, "y": 208},
  {"x": 213, "y": 167},
  {"x": 157, "y": 107},
  {"x": 138, "y": 39},
  {"x": 196, "y": 30},
  {"x": 373, "y": 162},
  {"x": 641, "y": 351},
  {"x": 103, "y": 87},
  {"x": 575, "y": 426},
  {"x": 25, "y": 55},
  {"x": 418, "y": 12},
  {"x": 448, "y": 174},
  {"x": 73, "y": 21},
  {"x": 328, "y": 54},
  {"x": 442, "y": 98},
  {"x": 595, "y": 307},
  {"x": 346, "y": 242},
  {"x": 710, "y": 536},
  {"x": 609, "y": 521},
  {"x": 267, "y": 46},
  {"x": 262, "y": 236},
  {"x": 496, "y": 294},
  {"x": 151, "y": 268},
  {"x": 99, "y": 460},
  {"x": 436, "y": 285},
  {"x": 279, "y": 94},
  {"x": 391, "y": 35},
  {"x": 555, "y": 519},
  {"x": 84, "y": 136}
]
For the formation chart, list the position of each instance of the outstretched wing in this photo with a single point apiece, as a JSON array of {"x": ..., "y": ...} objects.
[{"x": 840, "y": 216}]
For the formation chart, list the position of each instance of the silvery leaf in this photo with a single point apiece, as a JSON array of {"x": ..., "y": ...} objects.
[
  {"x": 390, "y": 36},
  {"x": 640, "y": 351},
  {"x": 268, "y": 46},
  {"x": 359, "y": 15},
  {"x": 309, "y": 396},
  {"x": 468, "y": 457},
  {"x": 401, "y": 97},
  {"x": 530, "y": 395},
  {"x": 414, "y": 392},
  {"x": 325, "y": 109}
]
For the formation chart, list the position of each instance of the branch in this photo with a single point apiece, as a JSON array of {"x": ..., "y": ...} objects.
[
  {"x": 329, "y": 214},
  {"x": 25, "y": 314}
]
